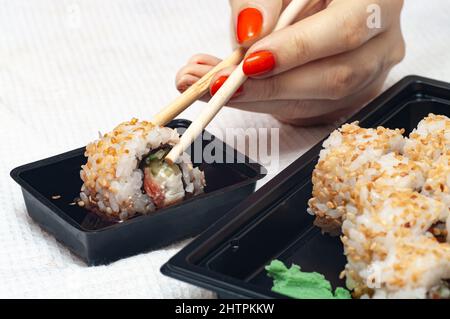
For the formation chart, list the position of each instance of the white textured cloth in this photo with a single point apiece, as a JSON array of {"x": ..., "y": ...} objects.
[{"x": 69, "y": 68}]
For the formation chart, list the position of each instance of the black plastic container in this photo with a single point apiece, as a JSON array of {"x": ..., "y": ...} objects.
[
  {"x": 99, "y": 241},
  {"x": 229, "y": 257}
]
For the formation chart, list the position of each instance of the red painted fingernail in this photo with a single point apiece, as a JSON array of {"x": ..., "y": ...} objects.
[
  {"x": 258, "y": 63},
  {"x": 218, "y": 84},
  {"x": 249, "y": 24}
]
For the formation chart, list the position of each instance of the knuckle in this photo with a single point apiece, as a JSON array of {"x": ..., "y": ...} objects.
[
  {"x": 184, "y": 70},
  {"x": 395, "y": 55},
  {"x": 396, "y": 6},
  {"x": 354, "y": 31},
  {"x": 181, "y": 83},
  {"x": 189, "y": 69},
  {"x": 399, "y": 52},
  {"x": 367, "y": 70},
  {"x": 195, "y": 58},
  {"x": 340, "y": 82},
  {"x": 352, "y": 39},
  {"x": 180, "y": 86},
  {"x": 181, "y": 74},
  {"x": 301, "y": 48}
]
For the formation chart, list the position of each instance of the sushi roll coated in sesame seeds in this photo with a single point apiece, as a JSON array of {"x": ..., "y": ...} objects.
[
  {"x": 429, "y": 140},
  {"x": 126, "y": 173},
  {"x": 379, "y": 240},
  {"x": 395, "y": 209},
  {"x": 348, "y": 153},
  {"x": 437, "y": 184},
  {"x": 416, "y": 267}
]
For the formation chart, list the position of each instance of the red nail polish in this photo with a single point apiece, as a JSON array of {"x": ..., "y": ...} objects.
[
  {"x": 218, "y": 84},
  {"x": 258, "y": 63},
  {"x": 249, "y": 24}
]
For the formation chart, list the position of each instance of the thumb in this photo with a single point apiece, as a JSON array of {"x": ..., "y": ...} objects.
[{"x": 254, "y": 19}]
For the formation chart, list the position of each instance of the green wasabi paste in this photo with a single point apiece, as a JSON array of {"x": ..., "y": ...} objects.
[{"x": 294, "y": 283}]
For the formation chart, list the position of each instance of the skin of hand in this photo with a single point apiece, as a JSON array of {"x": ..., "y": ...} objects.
[{"x": 329, "y": 63}]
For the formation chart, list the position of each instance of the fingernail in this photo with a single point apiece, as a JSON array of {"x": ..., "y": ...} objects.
[
  {"x": 218, "y": 84},
  {"x": 249, "y": 24},
  {"x": 258, "y": 63}
]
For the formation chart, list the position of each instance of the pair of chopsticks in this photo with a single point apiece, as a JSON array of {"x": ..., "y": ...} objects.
[{"x": 222, "y": 96}]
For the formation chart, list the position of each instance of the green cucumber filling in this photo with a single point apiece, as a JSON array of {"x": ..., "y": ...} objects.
[{"x": 158, "y": 166}]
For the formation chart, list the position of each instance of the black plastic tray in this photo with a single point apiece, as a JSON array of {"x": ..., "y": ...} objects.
[
  {"x": 229, "y": 257},
  {"x": 97, "y": 240}
]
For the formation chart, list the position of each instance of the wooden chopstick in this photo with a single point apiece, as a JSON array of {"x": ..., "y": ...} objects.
[
  {"x": 223, "y": 95},
  {"x": 195, "y": 91}
]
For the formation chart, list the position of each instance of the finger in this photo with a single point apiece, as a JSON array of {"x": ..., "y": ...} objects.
[
  {"x": 189, "y": 71},
  {"x": 341, "y": 27},
  {"x": 195, "y": 69},
  {"x": 330, "y": 118},
  {"x": 331, "y": 78},
  {"x": 339, "y": 112},
  {"x": 311, "y": 8},
  {"x": 219, "y": 79},
  {"x": 254, "y": 19},
  {"x": 205, "y": 59},
  {"x": 185, "y": 81},
  {"x": 296, "y": 111},
  {"x": 332, "y": 111}
]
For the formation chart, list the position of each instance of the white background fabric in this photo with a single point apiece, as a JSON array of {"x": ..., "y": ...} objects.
[{"x": 69, "y": 68}]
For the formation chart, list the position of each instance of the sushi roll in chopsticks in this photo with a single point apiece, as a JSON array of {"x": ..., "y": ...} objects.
[
  {"x": 126, "y": 173},
  {"x": 347, "y": 154}
]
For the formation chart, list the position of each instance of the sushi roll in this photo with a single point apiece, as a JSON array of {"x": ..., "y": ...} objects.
[
  {"x": 416, "y": 267},
  {"x": 390, "y": 199},
  {"x": 348, "y": 153},
  {"x": 429, "y": 146},
  {"x": 390, "y": 249},
  {"x": 126, "y": 173},
  {"x": 429, "y": 140},
  {"x": 437, "y": 186}
]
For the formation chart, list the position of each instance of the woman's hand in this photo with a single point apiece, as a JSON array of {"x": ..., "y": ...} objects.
[{"x": 326, "y": 65}]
